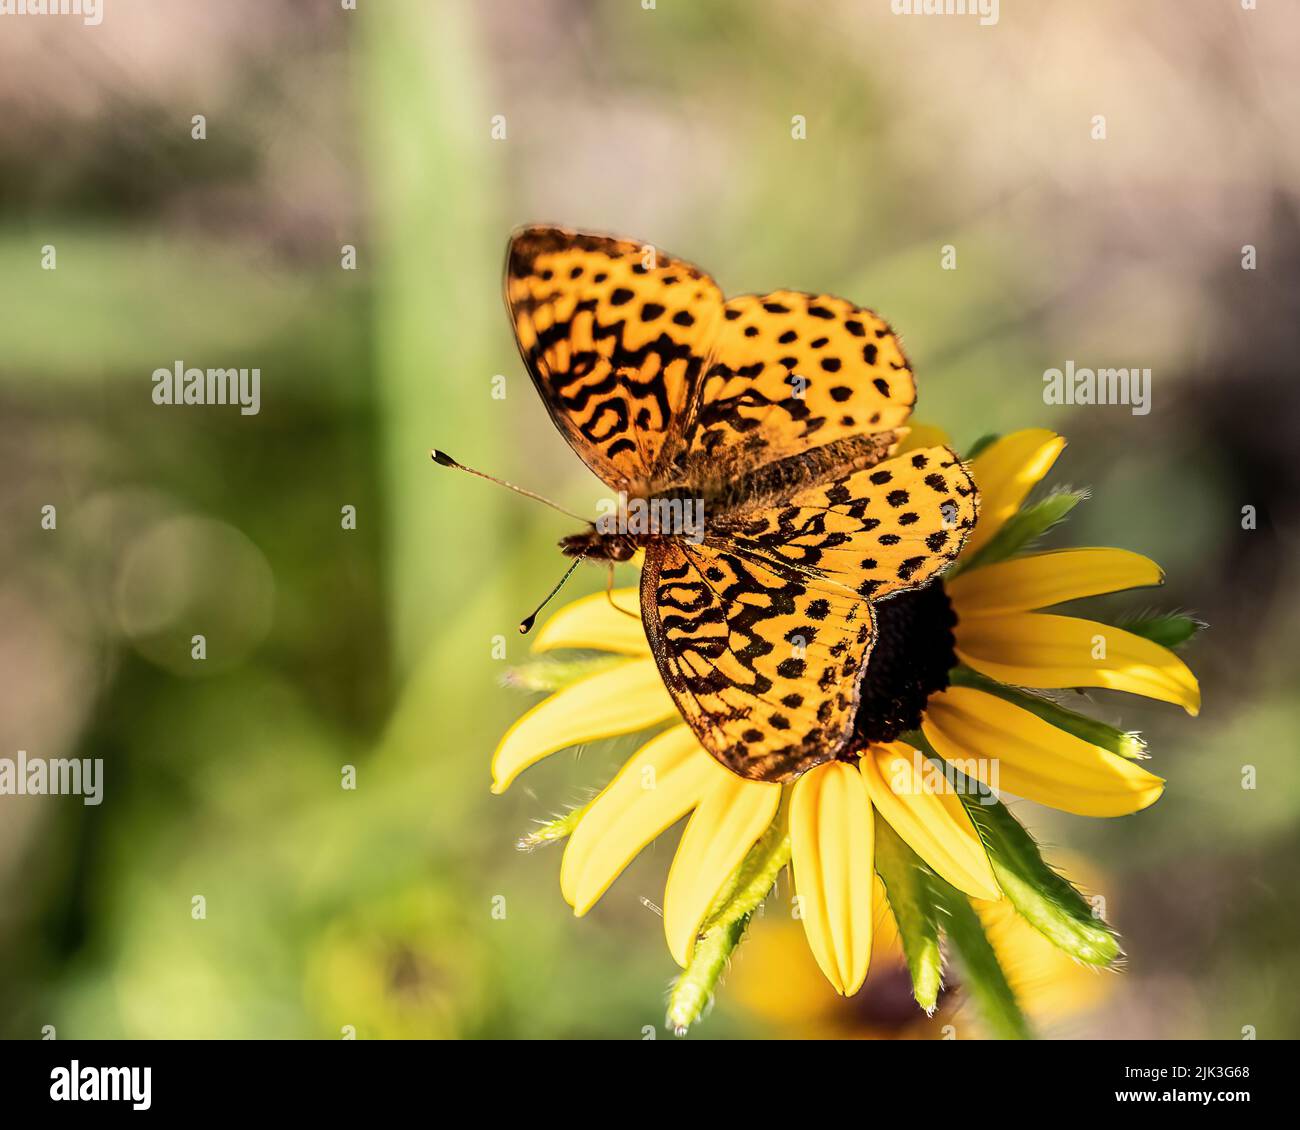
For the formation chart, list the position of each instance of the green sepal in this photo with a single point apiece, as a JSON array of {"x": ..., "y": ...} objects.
[
  {"x": 1047, "y": 901},
  {"x": 1107, "y": 737},
  {"x": 982, "y": 975},
  {"x": 692, "y": 993},
  {"x": 910, "y": 886},
  {"x": 553, "y": 674},
  {"x": 1170, "y": 629},
  {"x": 976, "y": 448},
  {"x": 1025, "y": 527},
  {"x": 552, "y": 831},
  {"x": 724, "y": 925}
]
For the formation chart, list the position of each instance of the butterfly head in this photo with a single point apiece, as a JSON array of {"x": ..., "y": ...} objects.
[{"x": 594, "y": 545}]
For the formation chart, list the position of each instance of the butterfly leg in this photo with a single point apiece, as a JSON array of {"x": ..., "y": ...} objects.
[{"x": 609, "y": 594}]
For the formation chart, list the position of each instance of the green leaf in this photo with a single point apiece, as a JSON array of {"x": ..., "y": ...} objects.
[
  {"x": 1108, "y": 737},
  {"x": 910, "y": 887},
  {"x": 1026, "y": 526},
  {"x": 1170, "y": 629},
  {"x": 980, "y": 444},
  {"x": 1046, "y": 900},
  {"x": 724, "y": 926},
  {"x": 552, "y": 674},
  {"x": 982, "y": 973}
]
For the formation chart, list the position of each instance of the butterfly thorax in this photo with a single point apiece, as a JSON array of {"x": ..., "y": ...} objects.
[
  {"x": 636, "y": 521},
  {"x": 729, "y": 483},
  {"x": 717, "y": 494}
]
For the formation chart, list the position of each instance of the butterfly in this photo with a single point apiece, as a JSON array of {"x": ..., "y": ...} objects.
[{"x": 777, "y": 416}]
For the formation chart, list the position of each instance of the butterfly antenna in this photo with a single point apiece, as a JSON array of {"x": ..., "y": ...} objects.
[
  {"x": 445, "y": 460},
  {"x": 526, "y": 624}
]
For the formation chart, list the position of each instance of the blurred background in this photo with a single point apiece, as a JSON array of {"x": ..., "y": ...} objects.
[{"x": 373, "y": 647}]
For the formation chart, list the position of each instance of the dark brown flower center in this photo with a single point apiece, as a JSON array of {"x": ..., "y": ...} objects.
[{"x": 911, "y": 659}]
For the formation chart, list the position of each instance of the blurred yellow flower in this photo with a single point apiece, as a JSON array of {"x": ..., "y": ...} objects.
[
  {"x": 375, "y": 973},
  {"x": 776, "y": 980}
]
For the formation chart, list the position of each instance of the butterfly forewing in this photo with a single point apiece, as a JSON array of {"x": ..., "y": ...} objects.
[
  {"x": 616, "y": 336},
  {"x": 762, "y": 661}
]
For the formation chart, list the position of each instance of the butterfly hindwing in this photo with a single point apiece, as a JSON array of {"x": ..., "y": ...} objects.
[
  {"x": 889, "y": 527},
  {"x": 616, "y": 337},
  {"x": 791, "y": 371},
  {"x": 762, "y": 661},
  {"x": 763, "y": 632}
]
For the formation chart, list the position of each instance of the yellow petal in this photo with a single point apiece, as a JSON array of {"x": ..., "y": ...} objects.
[
  {"x": 1038, "y": 649},
  {"x": 909, "y": 792},
  {"x": 730, "y": 817},
  {"x": 1011, "y": 749},
  {"x": 1005, "y": 472},
  {"x": 659, "y": 785},
  {"x": 1043, "y": 579},
  {"x": 620, "y": 700},
  {"x": 832, "y": 858},
  {"x": 922, "y": 435},
  {"x": 592, "y": 622}
]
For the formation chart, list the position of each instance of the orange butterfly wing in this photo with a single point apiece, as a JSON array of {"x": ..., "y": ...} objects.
[
  {"x": 762, "y": 661},
  {"x": 877, "y": 531},
  {"x": 616, "y": 337},
  {"x": 763, "y": 633},
  {"x": 792, "y": 371}
]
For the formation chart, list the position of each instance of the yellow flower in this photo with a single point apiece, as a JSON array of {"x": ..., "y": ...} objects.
[{"x": 971, "y": 715}]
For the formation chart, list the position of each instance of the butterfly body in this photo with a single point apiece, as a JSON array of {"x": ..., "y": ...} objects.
[{"x": 752, "y": 444}]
